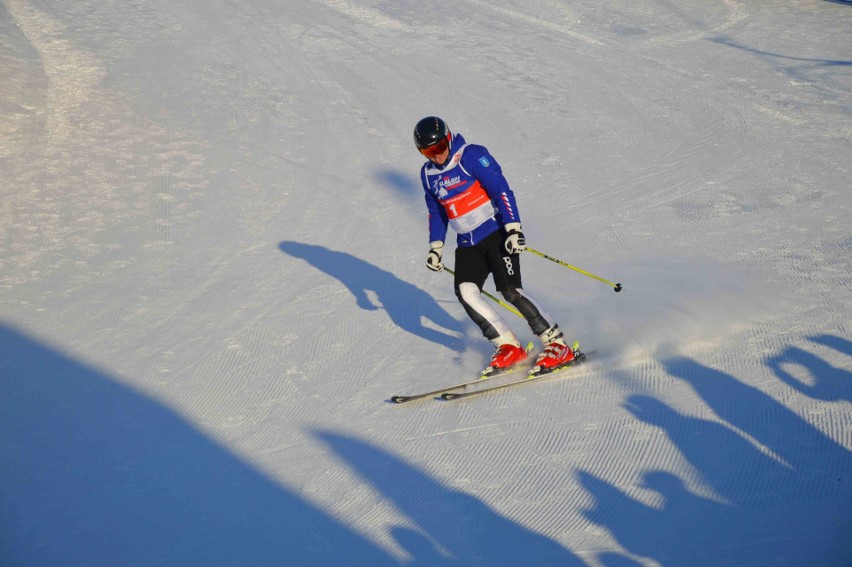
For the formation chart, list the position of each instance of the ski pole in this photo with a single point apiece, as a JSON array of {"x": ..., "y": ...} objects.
[
  {"x": 491, "y": 297},
  {"x": 616, "y": 286}
]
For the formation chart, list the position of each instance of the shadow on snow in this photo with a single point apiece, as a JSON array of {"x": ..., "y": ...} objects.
[
  {"x": 407, "y": 185},
  {"x": 782, "y": 488},
  {"x": 829, "y": 383},
  {"x": 404, "y": 303},
  {"x": 452, "y": 528},
  {"x": 94, "y": 473}
]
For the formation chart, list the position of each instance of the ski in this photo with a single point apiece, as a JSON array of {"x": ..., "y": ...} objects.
[
  {"x": 400, "y": 399},
  {"x": 580, "y": 357}
]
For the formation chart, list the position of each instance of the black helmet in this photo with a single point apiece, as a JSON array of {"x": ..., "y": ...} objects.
[{"x": 430, "y": 131}]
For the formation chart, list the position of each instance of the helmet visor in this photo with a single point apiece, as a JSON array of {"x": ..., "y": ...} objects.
[{"x": 436, "y": 149}]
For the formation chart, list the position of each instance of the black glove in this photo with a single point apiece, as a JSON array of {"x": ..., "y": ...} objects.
[
  {"x": 433, "y": 259},
  {"x": 515, "y": 242}
]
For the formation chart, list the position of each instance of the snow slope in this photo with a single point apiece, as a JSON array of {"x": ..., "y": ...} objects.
[{"x": 212, "y": 279}]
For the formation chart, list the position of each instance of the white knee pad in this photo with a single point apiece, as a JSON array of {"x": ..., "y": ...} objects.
[{"x": 472, "y": 296}]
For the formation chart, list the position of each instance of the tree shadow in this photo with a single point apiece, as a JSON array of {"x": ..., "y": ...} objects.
[
  {"x": 780, "y": 489},
  {"x": 94, "y": 473},
  {"x": 405, "y": 304},
  {"x": 821, "y": 74},
  {"x": 451, "y": 527},
  {"x": 722, "y": 40}
]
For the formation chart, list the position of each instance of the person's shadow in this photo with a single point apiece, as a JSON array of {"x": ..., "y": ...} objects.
[
  {"x": 779, "y": 484},
  {"x": 406, "y": 304},
  {"x": 829, "y": 383},
  {"x": 96, "y": 472},
  {"x": 446, "y": 526}
]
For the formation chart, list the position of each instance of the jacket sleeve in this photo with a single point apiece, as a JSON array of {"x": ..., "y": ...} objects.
[
  {"x": 438, "y": 220},
  {"x": 482, "y": 165}
]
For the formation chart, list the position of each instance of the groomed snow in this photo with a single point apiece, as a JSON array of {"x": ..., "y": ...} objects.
[{"x": 212, "y": 279}]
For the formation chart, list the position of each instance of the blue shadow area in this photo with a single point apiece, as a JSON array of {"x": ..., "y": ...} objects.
[
  {"x": 452, "y": 528},
  {"x": 406, "y": 184},
  {"x": 93, "y": 473},
  {"x": 782, "y": 490},
  {"x": 839, "y": 344},
  {"x": 829, "y": 383},
  {"x": 404, "y": 303}
]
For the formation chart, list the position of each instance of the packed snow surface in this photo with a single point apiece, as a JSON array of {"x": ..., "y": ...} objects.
[{"x": 212, "y": 280}]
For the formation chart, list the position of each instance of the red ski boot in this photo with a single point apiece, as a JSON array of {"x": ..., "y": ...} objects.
[
  {"x": 556, "y": 352},
  {"x": 508, "y": 355}
]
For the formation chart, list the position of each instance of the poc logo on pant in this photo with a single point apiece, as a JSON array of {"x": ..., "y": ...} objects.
[{"x": 509, "y": 268}]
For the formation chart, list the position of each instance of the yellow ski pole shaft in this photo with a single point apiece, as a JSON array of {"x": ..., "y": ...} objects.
[
  {"x": 616, "y": 286},
  {"x": 491, "y": 297}
]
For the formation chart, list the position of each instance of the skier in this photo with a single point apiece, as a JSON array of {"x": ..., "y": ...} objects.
[{"x": 466, "y": 190}]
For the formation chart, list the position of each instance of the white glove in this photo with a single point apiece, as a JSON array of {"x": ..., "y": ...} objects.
[
  {"x": 515, "y": 241},
  {"x": 433, "y": 260}
]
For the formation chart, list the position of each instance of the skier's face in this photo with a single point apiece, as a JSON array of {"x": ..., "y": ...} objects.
[
  {"x": 439, "y": 152},
  {"x": 441, "y": 158}
]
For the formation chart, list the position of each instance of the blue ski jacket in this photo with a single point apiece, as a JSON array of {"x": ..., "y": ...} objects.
[{"x": 468, "y": 193}]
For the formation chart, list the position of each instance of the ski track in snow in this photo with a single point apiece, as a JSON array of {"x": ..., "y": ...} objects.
[{"x": 212, "y": 281}]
